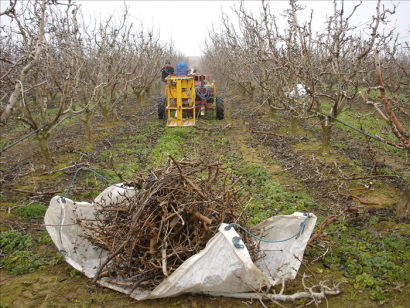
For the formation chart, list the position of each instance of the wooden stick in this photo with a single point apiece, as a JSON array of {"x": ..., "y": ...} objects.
[
  {"x": 353, "y": 179},
  {"x": 97, "y": 275},
  {"x": 327, "y": 222},
  {"x": 45, "y": 300},
  {"x": 38, "y": 192},
  {"x": 201, "y": 217},
  {"x": 186, "y": 178},
  {"x": 153, "y": 242},
  {"x": 164, "y": 259},
  {"x": 62, "y": 169},
  {"x": 139, "y": 282},
  {"x": 360, "y": 200},
  {"x": 121, "y": 209}
]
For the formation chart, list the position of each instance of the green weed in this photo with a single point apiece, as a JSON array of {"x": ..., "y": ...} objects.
[
  {"x": 269, "y": 197},
  {"x": 106, "y": 153},
  {"x": 137, "y": 138},
  {"x": 373, "y": 263},
  {"x": 22, "y": 262},
  {"x": 3, "y": 305},
  {"x": 88, "y": 149},
  {"x": 385, "y": 171},
  {"x": 75, "y": 274},
  {"x": 340, "y": 145},
  {"x": 127, "y": 169},
  {"x": 174, "y": 142},
  {"x": 371, "y": 125},
  {"x": 19, "y": 259},
  {"x": 13, "y": 240},
  {"x": 31, "y": 211},
  {"x": 352, "y": 297},
  {"x": 93, "y": 180},
  {"x": 44, "y": 238}
]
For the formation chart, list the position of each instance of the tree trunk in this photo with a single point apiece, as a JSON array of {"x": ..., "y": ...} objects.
[
  {"x": 105, "y": 107},
  {"x": 42, "y": 138},
  {"x": 272, "y": 109},
  {"x": 251, "y": 93},
  {"x": 88, "y": 126},
  {"x": 242, "y": 92},
  {"x": 326, "y": 128},
  {"x": 106, "y": 114},
  {"x": 138, "y": 97},
  {"x": 250, "y": 96},
  {"x": 147, "y": 92},
  {"x": 294, "y": 124},
  {"x": 114, "y": 112},
  {"x": 403, "y": 208}
]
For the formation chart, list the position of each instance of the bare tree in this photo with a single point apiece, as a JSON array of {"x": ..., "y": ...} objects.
[
  {"x": 227, "y": 56},
  {"x": 53, "y": 55},
  {"x": 393, "y": 80},
  {"x": 55, "y": 73},
  {"x": 30, "y": 56},
  {"x": 124, "y": 61},
  {"x": 148, "y": 57},
  {"x": 327, "y": 64},
  {"x": 9, "y": 8},
  {"x": 336, "y": 56}
]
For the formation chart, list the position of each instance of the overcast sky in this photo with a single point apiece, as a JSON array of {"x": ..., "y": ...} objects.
[{"x": 186, "y": 22}]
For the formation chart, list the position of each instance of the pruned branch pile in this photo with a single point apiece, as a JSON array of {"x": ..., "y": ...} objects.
[{"x": 174, "y": 213}]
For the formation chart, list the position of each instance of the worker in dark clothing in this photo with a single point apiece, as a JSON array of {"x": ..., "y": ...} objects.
[{"x": 166, "y": 70}]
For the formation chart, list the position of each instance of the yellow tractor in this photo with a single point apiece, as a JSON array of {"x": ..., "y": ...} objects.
[{"x": 186, "y": 98}]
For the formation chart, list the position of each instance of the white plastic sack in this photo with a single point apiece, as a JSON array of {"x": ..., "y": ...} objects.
[
  {"x": 301, "y": 91},
  {"x": 219, "y": 269}
]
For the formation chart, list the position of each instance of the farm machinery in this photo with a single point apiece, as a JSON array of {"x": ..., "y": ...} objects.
[{"x": 186, "y": 97}]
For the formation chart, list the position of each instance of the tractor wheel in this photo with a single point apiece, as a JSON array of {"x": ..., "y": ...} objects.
[
  {"x": 220, "y": 108},
  {"x": 162, "y": 102}
]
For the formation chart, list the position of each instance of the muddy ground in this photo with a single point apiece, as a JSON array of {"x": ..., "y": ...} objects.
[{"x": 292, "y": 160}]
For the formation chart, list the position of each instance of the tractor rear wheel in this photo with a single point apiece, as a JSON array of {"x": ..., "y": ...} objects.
[
  {"x": 220, "y": 108},
  {"x": 162, "y": 101}
]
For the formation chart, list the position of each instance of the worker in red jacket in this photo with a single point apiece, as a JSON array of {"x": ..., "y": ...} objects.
[{"x": 166, "y": 71}]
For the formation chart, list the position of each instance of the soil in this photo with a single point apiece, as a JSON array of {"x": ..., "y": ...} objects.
[{"x": 292, "y": 160}]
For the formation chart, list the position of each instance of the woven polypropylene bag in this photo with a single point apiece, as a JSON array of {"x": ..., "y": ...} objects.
[{"x": 219, "y": 269}]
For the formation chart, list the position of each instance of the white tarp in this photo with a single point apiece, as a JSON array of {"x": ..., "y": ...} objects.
[{"x": 220, "y": 268}]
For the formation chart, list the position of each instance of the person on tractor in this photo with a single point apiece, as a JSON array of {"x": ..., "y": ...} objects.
[
  {"x": 192, "y": 72},
  {"x": 166, "y": 71}
]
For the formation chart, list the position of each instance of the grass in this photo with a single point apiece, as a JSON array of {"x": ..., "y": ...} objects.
[
  {"x": 373, "y": 262},
  {"x": 173, "y": 141},
  {"x": 31, "y": 211},
  {"x": 19, "y": 257},
  {"x": 371, "y": 124},
  {"x": 269, "y": 198}
]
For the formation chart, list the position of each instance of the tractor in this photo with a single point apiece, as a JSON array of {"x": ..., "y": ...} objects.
[{"x": 187, "y": 97}]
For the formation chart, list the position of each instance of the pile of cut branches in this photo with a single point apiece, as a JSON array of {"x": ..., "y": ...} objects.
[{"x": 174, "y": 213}]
